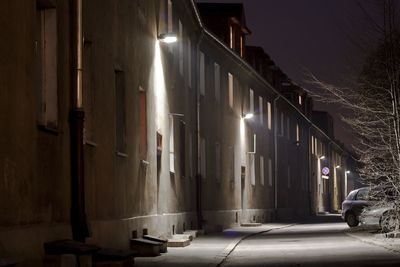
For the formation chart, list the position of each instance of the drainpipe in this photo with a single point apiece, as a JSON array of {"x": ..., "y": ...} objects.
[
  {"x": 78, "y": 215},
  {"x": 198, "y": 126},
  {"x": 276, "y": 156}
]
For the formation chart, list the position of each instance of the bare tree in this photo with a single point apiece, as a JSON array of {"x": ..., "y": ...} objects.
[{"x": 373, "y": 107}]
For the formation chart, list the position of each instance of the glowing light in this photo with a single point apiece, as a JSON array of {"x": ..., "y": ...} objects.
[
  {"x": 159, "y": 88},
  {"x": 167, "y": 38},
  {"x": 248, "y": 116},
  {"x": 337, "y": 167},
  {"x": 322, "y": 157},
  {"x": 347, "y": 172}
]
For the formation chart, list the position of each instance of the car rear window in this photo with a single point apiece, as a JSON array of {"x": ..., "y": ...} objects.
[
  {"x": 362, "y": 194},
  {"x": 351, "y": 195}
]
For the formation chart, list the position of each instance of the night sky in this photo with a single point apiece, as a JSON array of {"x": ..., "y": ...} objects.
[{"x": 328, "y": 38}]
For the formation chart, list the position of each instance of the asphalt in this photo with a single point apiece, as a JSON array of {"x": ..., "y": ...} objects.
[{"x": 318, "y": 241}]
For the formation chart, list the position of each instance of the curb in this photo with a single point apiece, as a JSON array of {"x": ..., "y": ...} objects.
[
  {"x": 233, "y": 244},
  {"x": 370, "y": 241}
]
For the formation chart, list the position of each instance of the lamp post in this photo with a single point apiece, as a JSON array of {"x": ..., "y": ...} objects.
[
  {"x": 320, "y": 186},
  {"x": 345, "y": 182}
]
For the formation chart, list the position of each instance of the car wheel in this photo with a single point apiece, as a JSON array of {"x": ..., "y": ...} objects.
[
  {"x": 352, "y": 220},
  {"x": 388, "y": 221}
]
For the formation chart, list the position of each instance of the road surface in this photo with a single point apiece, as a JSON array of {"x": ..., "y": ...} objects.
[{"x": 316, "y": 243}]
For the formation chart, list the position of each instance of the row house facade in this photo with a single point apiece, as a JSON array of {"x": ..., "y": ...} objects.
[{"x": 108, "y": 129}]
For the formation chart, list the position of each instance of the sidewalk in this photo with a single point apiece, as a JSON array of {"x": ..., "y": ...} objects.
[
  {"x": 373, "y": 236},
  {"x": 206, "y": 250}
]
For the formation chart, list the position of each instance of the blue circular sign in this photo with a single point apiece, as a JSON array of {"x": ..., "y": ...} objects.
[{"x": 325, "y": 170}]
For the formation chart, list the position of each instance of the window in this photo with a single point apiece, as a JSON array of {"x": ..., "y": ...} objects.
[
  {"x": 241, "y": 46},
  {"x": 230, "y": 89},
  {"x": 191, "y": 156},
  {"x": 217, "y": 162},
  {"x": 170, "y": 23},
  {"x": 88, "y": 93},
  {"x": 297, "y": 134},
  {"x": 288, "y": 127},
  {"x": 253, "y": 144},
  {"x": 269, "y": 172},
  {"x": 261, "y": 109},
  {"x": 189, "y": 58},
  {"x": 231, "y": 153},
  {"x": 231, "y": 36},
  {"x": 300, "y": 100},
  {"x": 182, "y": 147},
  {"x": 217, "y": 82},
  {"x": 288, "y": 177},
  {"x": 269, "y": 115},
  {"x": 203, "y": 158},
  {"x": 252, "y": 169},
  {"x": 312, "y": 144},
  {"x": 143, "y": 124},
  {"x": 262, "y": 170},
  {"x": 251, "y": 99},
  {"x": 120, "y": 111},
  {"x": 180, "y": 48},
  {"x": 48, "y": 47},
  {"x": 171, "y": 145},
  {"x": 202, "y": 75}
]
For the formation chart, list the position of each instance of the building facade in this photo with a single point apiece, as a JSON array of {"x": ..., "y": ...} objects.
[{"x": 108, "y": 130}]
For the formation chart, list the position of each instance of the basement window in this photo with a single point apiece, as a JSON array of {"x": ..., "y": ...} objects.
[{"x": 48, "y": 52}]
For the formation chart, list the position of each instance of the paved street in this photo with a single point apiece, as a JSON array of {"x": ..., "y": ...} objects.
[
  {"x": 311, "y": 244},
  {"x": 321, "y": 241}
]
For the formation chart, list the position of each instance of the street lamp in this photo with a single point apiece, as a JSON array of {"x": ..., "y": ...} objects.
[
  {"x": 248, "y": 116},
  {"x": 345, "y": 182},
  {"x": 322, "y": 157},
  {"x": 167, "y": 38},
  {"x": 337, "y": 166}
]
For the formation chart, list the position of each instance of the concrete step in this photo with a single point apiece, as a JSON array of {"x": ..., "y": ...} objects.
[
  {"x": 178, "y": 242},
  {"x": 182, "y": 236},
  {"x": 163, "y": 248},
  {"x": 250, "y": 224},
  {"x": 193, "y": 233},
  {"x": 146, "y": 248},
  {"x": 114, "y": 257}
]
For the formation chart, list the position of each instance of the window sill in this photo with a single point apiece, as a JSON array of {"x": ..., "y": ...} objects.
[
  {"x": 121, "y": 154},
  {"x": 90, "y": 143},
  {"x": 47, "y": 129}
]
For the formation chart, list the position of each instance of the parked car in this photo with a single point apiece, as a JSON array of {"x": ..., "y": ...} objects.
[
  {"x": 354, "y": 204},
  {"x": 362, "y": 205},
  {"x": 382, "y": 216}
]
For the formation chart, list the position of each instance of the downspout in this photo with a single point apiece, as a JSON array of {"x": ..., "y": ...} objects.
[
  {"x": 276, "y": 156},
  {"x": 78, "y": 215},
  {"x": 198, "y": 126}
]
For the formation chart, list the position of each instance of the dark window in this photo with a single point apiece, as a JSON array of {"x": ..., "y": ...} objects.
[
  {"x": 120, "y": 111},
  {"x": 182, "y": 147},
  {"x": 143, "y": 124}
]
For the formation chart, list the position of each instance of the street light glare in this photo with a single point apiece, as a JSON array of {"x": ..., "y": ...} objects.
[
  {"x": 248, "y": 116},
  {"x": 347, "y": 172},
  {"x": 322, "y": 157},
  {"x": 337, "y": 167},
  {"x": 167, "y": 38}
]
